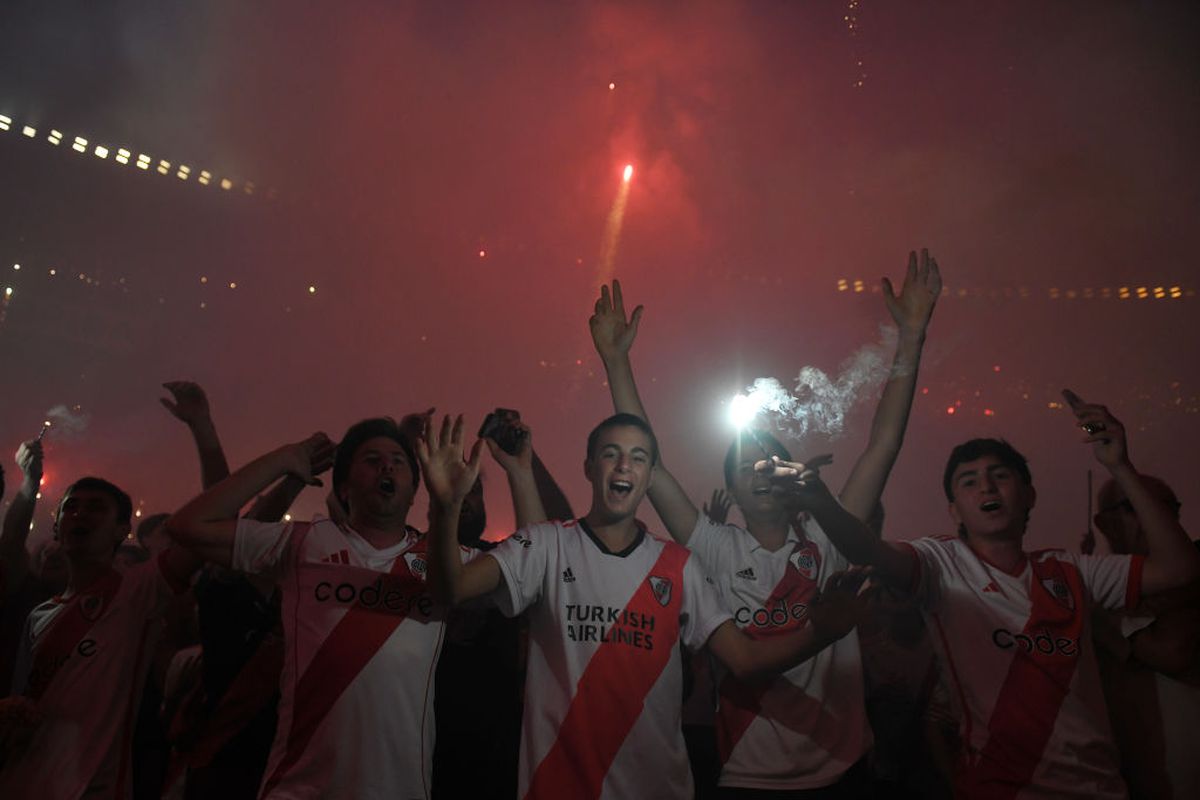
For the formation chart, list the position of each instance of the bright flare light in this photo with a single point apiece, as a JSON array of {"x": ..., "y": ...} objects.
[
  {"x": 742, "y": 411},
  {"x": 628, "y": 173}
]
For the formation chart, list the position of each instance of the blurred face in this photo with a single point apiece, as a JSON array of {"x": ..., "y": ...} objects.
[
  {"x": 87, "y": 527},
  {"x": 51, "y": 565},
  {"x": 620, "y": 472},
  {"x": 1117, "y": 521},
  {"x": 755, "y": 495},
  {"x": 379, "y": 484},
  {"x": 991, "y": 499},
  {"x": 156, "y": 540}
]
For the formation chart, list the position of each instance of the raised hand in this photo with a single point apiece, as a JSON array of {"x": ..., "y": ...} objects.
[
  {"x": 842, "y": 604},
  {"x": 801, "y": 478},
  {"x": 717, "y": 509},
  {"x": 612, "y": 332},
  {"x": 448, "y": 476},
  {"x": 1100, "y": 429},
  {"x": 522, "y": 460},
  {"x": 913, "y": 307},
  {"x": 413, "y": 425},
  {"x": 189, "y": 404},
  {"x": 308, "y": 458},
  {"x": 29, "y": 459}
]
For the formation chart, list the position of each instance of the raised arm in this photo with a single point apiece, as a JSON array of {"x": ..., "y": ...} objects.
[
  {"x": 911, "y": 311},
  {"x": 206, "y": 524},
  {"x": 613, "y": 335},
  {"x": 840, "y": 606},
  {"x": 891, "y": 562},
  {"x": 189, "y": 405},
  {"x": 554, "y": 501},
  {"x": 448, "y": 478},
  {"x": 527, "y": 503},
  {"x": 1171, "y": 559},
  {"x": 14, "y": 558}
]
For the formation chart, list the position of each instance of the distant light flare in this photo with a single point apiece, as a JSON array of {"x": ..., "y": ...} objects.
[{"x": 612, "y": 228}]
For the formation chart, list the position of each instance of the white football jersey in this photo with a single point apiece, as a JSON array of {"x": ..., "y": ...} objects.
[
  {"x": 84, "y": 660},
  {"x": 362, "y": 640},
  {"x": 1018, "y": 655},
  {"x": 604, "y": 684},
  {"x": 808, "y": 726}
]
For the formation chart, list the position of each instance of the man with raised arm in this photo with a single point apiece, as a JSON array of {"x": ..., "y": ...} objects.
[
  {"x": 807, "y": 730},
  {"x": 362, "y": 633},
  {"x": 608, "y": 605},
  {"x": 86, "y": 652},
  {"x": 1014, "y": 627}
]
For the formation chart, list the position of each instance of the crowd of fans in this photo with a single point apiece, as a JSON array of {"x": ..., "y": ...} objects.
[{"x": 225, "y": 650}]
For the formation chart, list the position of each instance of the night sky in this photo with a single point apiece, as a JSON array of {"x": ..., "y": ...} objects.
[{"x": 442, "y": 174}]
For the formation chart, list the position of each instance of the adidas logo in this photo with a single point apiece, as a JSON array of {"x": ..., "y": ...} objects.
[
  {"x": 340, "y": 557},
  {"x": 747, "y": 573},
  {"x": 991, "y": 587},
  {"x": 568, "y": 576}
]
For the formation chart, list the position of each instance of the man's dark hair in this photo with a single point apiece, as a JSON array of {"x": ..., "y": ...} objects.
[
  {"x": 1004, "y": 452},
  {"x": 148, "y": 525},
  {"x": 92, "y": 484},
  {"x": 750, "y": 441},
  {"x": 364, "y": 431},
  {"x": 623, "y": 421}
]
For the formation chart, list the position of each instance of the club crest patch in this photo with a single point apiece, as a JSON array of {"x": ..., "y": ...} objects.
[
  {"x": 417, "y": 564},
  {"x": 662, "y": 590},
  {"x": 1059, "y": 590},
  {"x": 804, "y": 563},
  {"x": 91, "y": 606}
]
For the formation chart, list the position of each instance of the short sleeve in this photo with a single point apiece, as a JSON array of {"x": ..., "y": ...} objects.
[
  {"x": 1114, "y": 582},
  {"x": 522, "y": 558},
  {"x": 709, "y": 541},
  {"x": 927, "y": 555},
  {"x": 261, "y": 548},
  {"x": 702, "y": 612}
]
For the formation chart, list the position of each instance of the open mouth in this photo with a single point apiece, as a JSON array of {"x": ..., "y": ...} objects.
[
  {"x": 621, "y": 488},
  {"x": 990, "y": 505},
  {"x": 761, "y": 490},
  {"x": 388, "y": 486}
]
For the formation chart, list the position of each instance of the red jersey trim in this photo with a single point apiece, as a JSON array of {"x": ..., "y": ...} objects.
[
  {"x": 1133, "y": 585},
  {"x": 918, "y": 569}
]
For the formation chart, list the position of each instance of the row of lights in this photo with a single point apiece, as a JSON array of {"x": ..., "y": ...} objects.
[
  {"x": 1053, "y": 293},
  {"x": 123, "y": 156}
]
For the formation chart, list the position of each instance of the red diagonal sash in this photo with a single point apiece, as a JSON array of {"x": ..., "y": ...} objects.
[
  {"x": 611, "y": 693},
  {"x": 1033, "y": 692},
  {"x": 741, "y": 702},
  {"x": 348, "y": 648},
  {"x": 54, "y": 647}
]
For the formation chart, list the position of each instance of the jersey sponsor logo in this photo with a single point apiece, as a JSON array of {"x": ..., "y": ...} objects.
[
  {"x": 1059, "y": 591},
  {"x": 417, "y": 564},
  {"x": 804, "y": 563},
  {"x": 661, "y": 587},
  {"x": 381, "y": 594},
  {"x": 522, "y": 539},
  {"x": 1040, "y": 642},
  {"x": 777, "y": 616},
  {"x": 568, "y": 576},
  {"x": 747, "y": 573},
  {"x": 588, "y": 623},
  {"x": 91, "y": 606}
]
